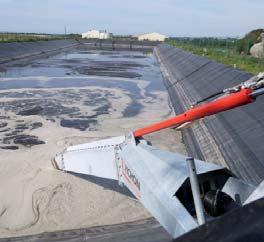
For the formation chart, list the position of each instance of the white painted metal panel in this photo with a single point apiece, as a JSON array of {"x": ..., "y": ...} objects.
[
  {"x": 99, "y": 143},
  {"x": 95, "y": 158},
  {"x": 159, "y": 175},
  {"x": 257, "y": 194}
]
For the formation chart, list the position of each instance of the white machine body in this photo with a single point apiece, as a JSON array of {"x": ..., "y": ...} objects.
[{"x": 158, "y": 179}]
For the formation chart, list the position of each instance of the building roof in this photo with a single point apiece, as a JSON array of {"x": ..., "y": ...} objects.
[{"x": 150, "y": 33}]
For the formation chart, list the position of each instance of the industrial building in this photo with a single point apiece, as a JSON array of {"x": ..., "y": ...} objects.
[
  {"x": 96, "y": 34},
  {"x": 151, "y": 36}
]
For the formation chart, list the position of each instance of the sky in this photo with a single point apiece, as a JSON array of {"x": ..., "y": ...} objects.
[{"x": 194, "y": 18}]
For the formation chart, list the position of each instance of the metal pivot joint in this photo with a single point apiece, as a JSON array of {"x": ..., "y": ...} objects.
[{"x": 195, "y": 191}]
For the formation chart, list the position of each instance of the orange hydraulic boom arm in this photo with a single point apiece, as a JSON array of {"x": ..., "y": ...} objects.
[{"x": 239, "y": 98}]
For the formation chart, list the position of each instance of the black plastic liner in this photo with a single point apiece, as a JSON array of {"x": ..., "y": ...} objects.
[
  {"x": 19, "y": 50},
  {"x": 16, "y": 49},
  {"x": 234, "y": 137}
]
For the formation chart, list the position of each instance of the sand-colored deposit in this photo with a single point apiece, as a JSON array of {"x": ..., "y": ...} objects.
[{"x": 34, "y": 196}]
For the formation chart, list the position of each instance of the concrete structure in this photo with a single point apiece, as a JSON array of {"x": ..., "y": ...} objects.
[
  {"x": 95, "y": 34},
  {"x": 151, "y": 37},
  {"x": 257, "y": 50}
]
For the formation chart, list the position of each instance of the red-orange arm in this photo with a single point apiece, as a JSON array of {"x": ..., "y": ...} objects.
[{"x": 230, "y": 101}]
